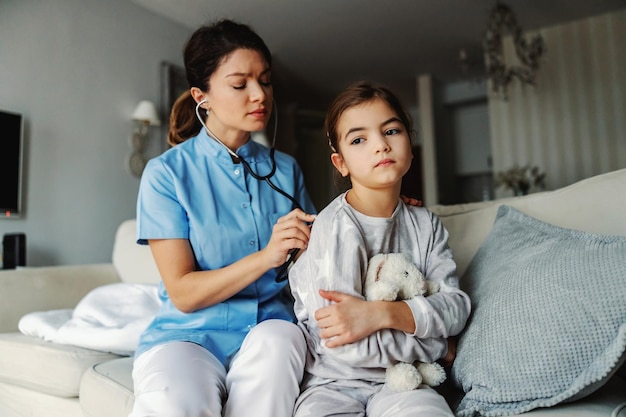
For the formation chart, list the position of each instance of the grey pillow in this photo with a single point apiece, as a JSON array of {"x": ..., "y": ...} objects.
[{"x": 549, "y": 316}]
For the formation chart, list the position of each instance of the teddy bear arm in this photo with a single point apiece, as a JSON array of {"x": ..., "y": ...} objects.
[
  {"x": 432, "y": 287},
  {"x": 433, "y": 373},
  {"x": 381, "y": 291}
]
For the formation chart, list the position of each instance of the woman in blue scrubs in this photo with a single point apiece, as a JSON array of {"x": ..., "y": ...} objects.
[{"x": 224, "y": 342}]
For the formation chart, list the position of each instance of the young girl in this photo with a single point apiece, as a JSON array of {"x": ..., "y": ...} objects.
[{"x": 369, "y": 135}]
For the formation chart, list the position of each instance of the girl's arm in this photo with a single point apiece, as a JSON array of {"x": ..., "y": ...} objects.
[
  {"x": 390, "y": 343},
  {"x": 350, "y": 319},
  {"x": 445, "y": 313},
  {"x": 379, "y": 334},
  {"x": 191, "y": 290},
  {"x": 357, "y": 319}
]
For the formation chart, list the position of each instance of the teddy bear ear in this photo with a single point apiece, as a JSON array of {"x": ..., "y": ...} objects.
[
  {"x": 406, "y": 257},
  {"x": 376, "y": 259}
]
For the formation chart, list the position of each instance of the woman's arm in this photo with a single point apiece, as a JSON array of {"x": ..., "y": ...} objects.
[{"x": 191, "y": 290}]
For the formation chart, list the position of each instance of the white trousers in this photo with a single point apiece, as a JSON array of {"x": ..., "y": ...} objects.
[{"x": 182, "y": 379}]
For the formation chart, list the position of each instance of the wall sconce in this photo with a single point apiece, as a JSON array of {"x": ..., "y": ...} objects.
[{"x": 146, "y": 115}]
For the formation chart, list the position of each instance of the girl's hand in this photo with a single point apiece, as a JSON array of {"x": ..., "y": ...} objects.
[
  {"x": 448, "y": 360},
  {"x": 350, "y": 319},
  {"x": 290, "y": 231},
  {"x": 347, "y": 320}
]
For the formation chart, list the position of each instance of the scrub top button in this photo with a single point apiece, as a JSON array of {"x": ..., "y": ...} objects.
[
  {"x": 236, "y": 172},
  {"x": 252, "y": 242}
]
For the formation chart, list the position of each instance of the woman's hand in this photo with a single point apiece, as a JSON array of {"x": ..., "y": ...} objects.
[
  {"x": 290, "y": 232},
  {"x": 191, "y": 290},
  {"x": 412, "y": 201}
]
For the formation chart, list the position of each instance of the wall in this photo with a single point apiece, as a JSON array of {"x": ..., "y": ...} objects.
[
  {"x": 573, "y": 125},
  {"x": 76, "y": 69},
  {"x": 463, "y": 143}
]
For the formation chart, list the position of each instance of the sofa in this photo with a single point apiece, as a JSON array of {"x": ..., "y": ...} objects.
[{"x": 41, "y": 378}]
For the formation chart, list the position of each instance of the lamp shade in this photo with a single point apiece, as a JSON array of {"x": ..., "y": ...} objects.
[{"x": 146, "y": 112}]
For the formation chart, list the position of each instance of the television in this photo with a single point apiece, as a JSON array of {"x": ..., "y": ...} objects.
[{"x": 11, "y": 162}]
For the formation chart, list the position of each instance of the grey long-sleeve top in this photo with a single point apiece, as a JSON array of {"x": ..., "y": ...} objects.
[{"x": 342, "y": 240}]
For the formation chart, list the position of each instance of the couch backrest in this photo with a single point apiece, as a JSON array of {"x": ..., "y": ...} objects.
[
  {"x": 596, "y": 205},
  {"x": 133, "y": 262}
]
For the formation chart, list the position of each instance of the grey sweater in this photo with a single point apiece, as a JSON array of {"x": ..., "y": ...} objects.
[{"x": 342, "y": 241}]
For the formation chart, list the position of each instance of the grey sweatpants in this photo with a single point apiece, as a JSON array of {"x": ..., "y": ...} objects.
[{"x": 357, "y": 398}]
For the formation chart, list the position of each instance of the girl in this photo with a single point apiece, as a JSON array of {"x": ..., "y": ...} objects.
[{"x": 369, "y": 136}]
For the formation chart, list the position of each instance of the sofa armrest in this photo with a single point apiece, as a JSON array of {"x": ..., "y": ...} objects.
[{"x": 47, "y": 288}]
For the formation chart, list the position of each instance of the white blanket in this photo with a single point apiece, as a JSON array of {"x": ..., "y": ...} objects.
[{"x": 110, "y": 318}]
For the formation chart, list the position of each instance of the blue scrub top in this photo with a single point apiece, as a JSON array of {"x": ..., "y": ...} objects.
[{"x": 195, "y": 191}]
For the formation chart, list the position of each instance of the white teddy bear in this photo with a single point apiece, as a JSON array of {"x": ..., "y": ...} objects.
[{"x": 390, "y": 277}]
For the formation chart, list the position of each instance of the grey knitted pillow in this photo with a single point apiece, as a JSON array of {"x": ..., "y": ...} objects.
[{"x": 549, "y": 317}]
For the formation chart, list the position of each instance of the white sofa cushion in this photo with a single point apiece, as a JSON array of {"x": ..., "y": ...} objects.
[
  {"x": 16, "y": 401},
  {"x": 134, "y": 262},
  {"x": 603, "y": 402},
  {"x": 107, "y": 389},
  {"x": 47, "y": 367}
]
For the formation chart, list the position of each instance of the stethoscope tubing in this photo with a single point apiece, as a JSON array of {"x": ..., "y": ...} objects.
[
  {"x": 267, "y": 177},
  {"x": 282, "y": 272}
]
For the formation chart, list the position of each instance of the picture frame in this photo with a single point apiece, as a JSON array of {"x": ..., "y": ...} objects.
[{"x": 173, "y": 84}]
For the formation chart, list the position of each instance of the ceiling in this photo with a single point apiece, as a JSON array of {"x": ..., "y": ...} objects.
[{"x": 320, "y": 46}]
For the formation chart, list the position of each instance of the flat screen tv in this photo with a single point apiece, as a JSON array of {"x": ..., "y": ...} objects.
[{"x": 11, "y": 161}]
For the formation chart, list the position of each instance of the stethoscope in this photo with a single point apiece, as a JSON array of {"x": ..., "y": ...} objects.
[{"x": 281, "y": 273}]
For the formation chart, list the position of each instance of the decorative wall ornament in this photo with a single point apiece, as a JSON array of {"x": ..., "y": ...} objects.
[
  {"x": 502, "y": 22},
  {"x": 173, "y": 84}
]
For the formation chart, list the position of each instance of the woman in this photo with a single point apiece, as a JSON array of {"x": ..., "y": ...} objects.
[{"x": 224, "y": 341}]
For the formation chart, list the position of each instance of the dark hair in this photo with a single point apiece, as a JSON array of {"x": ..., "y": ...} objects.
[
  {"x": 355, "y": 95},
  {"x": 204, "y": 52}
]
